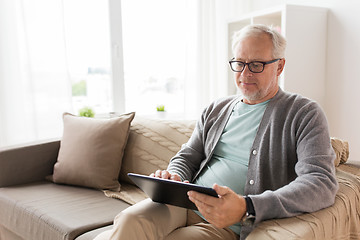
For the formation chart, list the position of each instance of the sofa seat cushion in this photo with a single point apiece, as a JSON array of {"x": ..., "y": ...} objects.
[
  {"x": 92, "y": 234},
  {"x": 46, "y": 210}
]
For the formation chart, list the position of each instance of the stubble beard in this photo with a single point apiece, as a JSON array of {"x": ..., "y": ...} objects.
[
  {"x": 258, "y": 94},
  {"x": 254, "y": 96}
]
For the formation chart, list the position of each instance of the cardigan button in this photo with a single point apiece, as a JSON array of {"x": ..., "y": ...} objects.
[
  {"x": 251, "y": 182},
  {"x": 254, "y": 152}
]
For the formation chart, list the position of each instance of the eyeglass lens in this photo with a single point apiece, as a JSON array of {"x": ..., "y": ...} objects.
[{"x": 255, "y": 67}]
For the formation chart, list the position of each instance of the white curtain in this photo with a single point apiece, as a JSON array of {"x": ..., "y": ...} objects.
[
  {"x": 206, "y": 74},
  {"x": 34, "y": 86},
  {"x": 34, "y": 83}
]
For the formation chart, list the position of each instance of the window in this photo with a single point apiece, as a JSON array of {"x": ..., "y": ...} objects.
[
  {"x": 154, "y": 45},
  {"x": 55, "y": 58},
  {"x": 87, "y": 36},
  {"x": 116, "y": 55}
]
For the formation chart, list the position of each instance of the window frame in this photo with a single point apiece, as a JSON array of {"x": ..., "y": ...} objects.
[{"x": 117, "y": 58}]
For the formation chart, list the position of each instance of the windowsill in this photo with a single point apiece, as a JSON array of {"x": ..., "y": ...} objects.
[{"x": 155, "y": 115}]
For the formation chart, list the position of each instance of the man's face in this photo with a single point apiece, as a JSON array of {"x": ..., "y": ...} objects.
[{"x": 257, "y": 87}]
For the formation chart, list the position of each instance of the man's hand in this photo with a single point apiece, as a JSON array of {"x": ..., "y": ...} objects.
[
  {"x": 166, "y": 175},
  {"x": 222, "y": 212}
]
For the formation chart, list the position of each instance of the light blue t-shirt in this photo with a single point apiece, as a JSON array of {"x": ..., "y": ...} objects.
[{"x": 229, "y": 163}]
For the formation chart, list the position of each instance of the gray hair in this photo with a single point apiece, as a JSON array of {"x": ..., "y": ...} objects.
[{"x": 278, "y": 41}]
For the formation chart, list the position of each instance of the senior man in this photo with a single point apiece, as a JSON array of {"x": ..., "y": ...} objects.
[{"x": 266, "y": 152}]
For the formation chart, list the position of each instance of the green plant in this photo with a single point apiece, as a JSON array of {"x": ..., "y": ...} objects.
[
  {"x": 160, "y": 108},
  {"x": 86, "y": 112}
]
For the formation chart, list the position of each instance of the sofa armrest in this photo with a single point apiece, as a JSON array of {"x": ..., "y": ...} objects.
[
  {"x": 27, "y": 163},
  {"x": 339, "y": 221}
]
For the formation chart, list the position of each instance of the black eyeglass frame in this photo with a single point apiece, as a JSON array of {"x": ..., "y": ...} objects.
[{"x": 248, "y": 64}]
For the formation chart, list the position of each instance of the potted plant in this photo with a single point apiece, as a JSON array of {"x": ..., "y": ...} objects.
[{"x": 86, "y": 112}]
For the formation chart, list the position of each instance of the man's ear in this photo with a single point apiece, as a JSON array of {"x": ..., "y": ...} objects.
[{"x": 281, "y": 66}]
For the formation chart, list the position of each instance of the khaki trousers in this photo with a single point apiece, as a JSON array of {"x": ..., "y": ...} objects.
[{"x": 153, "y": 221}]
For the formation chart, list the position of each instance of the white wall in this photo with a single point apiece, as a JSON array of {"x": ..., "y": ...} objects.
[{"x": 342, "y": 105}]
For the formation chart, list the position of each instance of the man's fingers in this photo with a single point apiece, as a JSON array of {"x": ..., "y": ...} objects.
[
  {"x": 162, "y": 174},
  {"x": 199, "y": 204},
  {"x": 221, "y": 190},
  {"x": 165, "y": 175},
  {"x": 175, "y": 177},
  {"x": 223, "y": 211},
  {"x": 208, "y": 211},
  {"x": 158, "y": 173},
  {"x": 203, "y": 198}
]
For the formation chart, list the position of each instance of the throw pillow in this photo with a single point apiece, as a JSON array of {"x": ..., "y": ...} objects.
[
  {"x": 91, "y": 151},
  {"x": 341, "y": 149}
]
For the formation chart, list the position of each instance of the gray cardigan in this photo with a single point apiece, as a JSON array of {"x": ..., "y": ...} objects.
[{"x": 291, "y": 163}]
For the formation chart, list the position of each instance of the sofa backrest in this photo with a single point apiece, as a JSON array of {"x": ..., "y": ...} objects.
[{"x": 152, "y": 143}]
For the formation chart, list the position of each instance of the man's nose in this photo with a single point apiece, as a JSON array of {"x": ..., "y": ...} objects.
[{"x": 246, "y": 70}]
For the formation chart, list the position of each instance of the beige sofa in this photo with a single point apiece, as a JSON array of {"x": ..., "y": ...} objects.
[{"x": 33, "y": 208}]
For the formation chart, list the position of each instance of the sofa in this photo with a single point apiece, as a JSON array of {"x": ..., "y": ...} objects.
[{"x": 38, "y": 203}]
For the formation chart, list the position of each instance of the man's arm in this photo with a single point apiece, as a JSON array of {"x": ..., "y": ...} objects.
[
  {"x": 187, "y": 161},
  {"x": 194, "y": 154}
]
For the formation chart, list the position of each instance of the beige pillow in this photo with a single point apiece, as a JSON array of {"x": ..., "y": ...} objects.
[
  {"x": 91, "y": 151},
  {"x": 152, "y": 143},
  {"x": 341, "y": 149}
]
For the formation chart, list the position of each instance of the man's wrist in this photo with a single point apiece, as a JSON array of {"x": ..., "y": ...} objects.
[
  {"x": 249, "y": 217},
  {"x": 249, "y": 206}
]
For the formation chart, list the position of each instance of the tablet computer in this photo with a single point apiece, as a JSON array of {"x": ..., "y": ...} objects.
[{"x": 169, "y": 191}]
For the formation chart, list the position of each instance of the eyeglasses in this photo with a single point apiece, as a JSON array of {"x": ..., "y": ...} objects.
[{"x": 255, "y": 67}]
